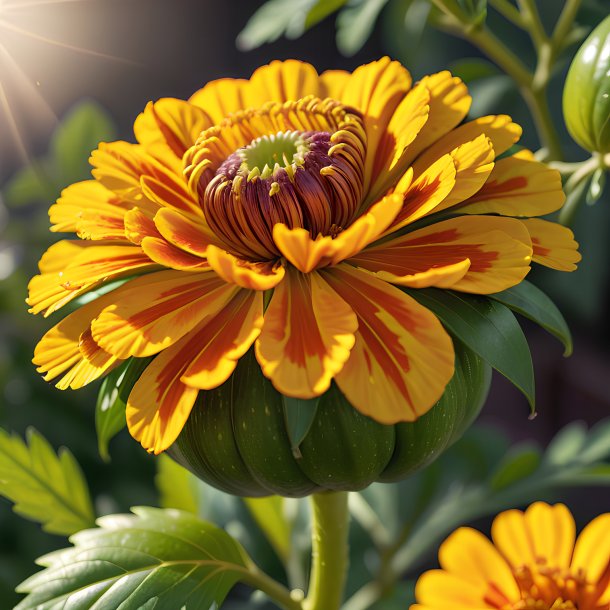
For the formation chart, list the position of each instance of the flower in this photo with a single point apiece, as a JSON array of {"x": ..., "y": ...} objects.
[
  {"x": 534, "y": 563},
  {"x": 286, "y": 212}
]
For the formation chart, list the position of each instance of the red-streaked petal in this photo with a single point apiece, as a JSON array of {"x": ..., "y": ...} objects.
[
  {"x": 554, "y": 245},
  {"x": 159, "y": 403},
  {"x": 185, "y": 232},
  {"x": 99, "y": 225},
  {"x": 499, "y": 250},
  {"x": 219, "y": 343},
  {"x": 254, "y": 276},
  {"x": 173, "y": 122},
  {"x": 307, "y": 335},
  {"x": 517, "y": 186},
  {"x": 153, "y": 312},
  {"x": 444, "y": 276},
  {"x": 68, "y": 348},
  {"x": 138, "y": 225},
  {"x": 166, "y": 254},
  {"x": 449, "y": 104},
  {"x": 169, "y": 190},
  {"x": 402, "y": 359},
  {"x": 424, "y": 195}
]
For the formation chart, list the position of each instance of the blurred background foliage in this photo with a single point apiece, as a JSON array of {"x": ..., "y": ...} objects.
[{"x": 176, "y": 48}]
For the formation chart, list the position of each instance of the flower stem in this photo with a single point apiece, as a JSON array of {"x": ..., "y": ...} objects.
[{"x": 330, "y": 528}]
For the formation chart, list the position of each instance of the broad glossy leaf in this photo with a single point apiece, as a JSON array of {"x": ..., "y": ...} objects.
[
  {"x": 112, "y": 400},
  {"x": 531, "y": 302},
  {"x": 299, "y": 414},
  {"x": 270, "y": 516},
  {"x": 355, "y": 24},
  {"x": 489, "y": 329},
  {"x": 45, "y": 487},
  {"x": 161, "y": 559},
  {"x": 176, "y": 486}
]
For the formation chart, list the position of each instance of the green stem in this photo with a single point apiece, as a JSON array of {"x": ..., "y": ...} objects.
[
  {"x": 530, "y": 14},
  {"x": 330, "y": 528},
  {"x": 509, "y": 12},
  {"x": 257, "y": 579},
  {"x": 565, "y": 22}
]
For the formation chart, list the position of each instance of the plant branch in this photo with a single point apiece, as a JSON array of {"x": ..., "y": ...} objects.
[
  {"x": 509, "y": 12},
  {"x": 565, "y": 22},
  {"x": 257, "y": 579}
]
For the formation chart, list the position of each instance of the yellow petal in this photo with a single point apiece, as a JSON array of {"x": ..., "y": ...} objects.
[
  {"x": 172, "y": 122},
  {"x": 307, "y": 335},
  {"x": 153, "y": 312},
  {"x": 254, "y": 276},
  {"x": 592, "y": 550},
  {"x": 185, "y": 232},
  {"x": 541, "y": 535},
  {"x": 220, "y": 98},
  {"x": 470, "y": 556},
  {"x": 166, "y": 254},
  {"x": 402, "y": 359},
  {"x": 517, "y": 186},
  {"x": 554, "y": 245}
]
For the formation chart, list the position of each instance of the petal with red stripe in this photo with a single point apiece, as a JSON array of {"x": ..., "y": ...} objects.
[
  {"x": 402, "y": 359},
  {"x": 554, "y": 245}
]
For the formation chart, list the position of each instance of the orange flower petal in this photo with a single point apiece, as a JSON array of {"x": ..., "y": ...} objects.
[
  {"x": 518, "y": 186},
  {"x": 542, "y": 534},
  {"x": 307, "y": 254},
  {"x": 89, "y": 196},
  {"x": 169, "y": 190},
  {"x": 254, "y": 276},
  {"x": 153, "y": 312},
  {"x": 307, "y": 335},
  {"x": 166, "y": 254},
  {"x": 187, "y": 233},
  {"x": 554, "y": 245},
  {"x": 443, "y": 590},
  {"x": 402, "y": 359},
  {"x": 592, "y": 549},
  {"x": 173, "y": 122},
  {"x": 499, "y": 250},
  {"x": 219, "y": 343},
  {"x": 101, "y": 225},
  {"x": 375, "y": 90},
  {"x": 445, "y": 276},
  {"x": 138, "y": 225},
  {"x": 333, "y": 83},
  {"x": 159, "y": 403},
  {"x": 424, "y": 195},
  {"x": 449, "y": 104},
  {"x": 67, "y": 348},
  {"x": 470, "y": 556}
]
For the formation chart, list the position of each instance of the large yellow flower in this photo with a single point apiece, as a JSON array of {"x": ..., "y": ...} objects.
[
  {"x": 534, "y": 564},
  {"x": 285, "y": 212}
]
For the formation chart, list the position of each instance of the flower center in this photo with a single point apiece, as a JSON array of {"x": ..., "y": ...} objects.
[
  {"x": 296, "y": 163},
  {"x": 266, "y": 155}
]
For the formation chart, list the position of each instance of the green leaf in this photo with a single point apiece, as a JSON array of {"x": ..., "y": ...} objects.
[
  {"x": 475, "y": 10},
  {"x": 322, "y": 9},
  {"x": 161, "y": 559},
  {"x": 79, "y": 132},
  {"x": 518, "y": 464},
  {"x": 45, "y": 487},
  {"x": 34, "y": 183},
  {"x": 596, "y": 187},
  {"x": 355, "y": 24},
  {"x": 489, "y": 329},
  {"x": 272, "y": 20},
  {"x": 112, "y": 400},
  {"x": 175, "y": 485},
  {"x": 597, "y": 446},
  {"x": 473, "y": 68},
  {"x": 270, "y": 516},
  {"x": 566, "y": 445},
  {"x": 531, "y": 302},
  {"x": 299, "y": 414}
]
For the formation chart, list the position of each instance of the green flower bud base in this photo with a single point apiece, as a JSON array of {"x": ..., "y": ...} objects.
[{"x": 237, "y": 440}]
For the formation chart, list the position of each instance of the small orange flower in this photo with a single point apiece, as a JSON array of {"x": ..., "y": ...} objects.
[
  {"x": 285, "y": 212},
  {"x": 534, "y": 563}
]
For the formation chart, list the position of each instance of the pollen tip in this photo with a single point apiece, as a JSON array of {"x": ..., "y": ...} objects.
[{"x": 275, "y": 188}]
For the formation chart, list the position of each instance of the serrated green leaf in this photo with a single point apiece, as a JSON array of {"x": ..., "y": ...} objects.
[
  {"x": 112, "y": 401},
  {"x": 175, "y": 486},
  {"x": 488, "y": 328},
  {"x": 270, "y": 516},
  {"x": 531, "y": 302},
  {"x": 45, "y": 487},
  {"x": 79, "y": 132},
  {"x": 566, "y": 445},
  {"x": 518, "y": 464},
  {"x": 299, "y": 414},
  {"x": 355, "y": 24},
  {"x": 130, "y": 561},
  {"x": 322, "y": 9}
]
